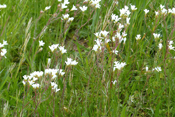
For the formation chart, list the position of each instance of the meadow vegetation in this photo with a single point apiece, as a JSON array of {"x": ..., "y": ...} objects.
[{"x": 87, "y": 58}]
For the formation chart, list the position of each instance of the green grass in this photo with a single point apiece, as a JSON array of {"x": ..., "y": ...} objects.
[{"x": 86, "y": 89}]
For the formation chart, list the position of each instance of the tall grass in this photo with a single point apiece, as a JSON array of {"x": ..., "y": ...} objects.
[{"x": 92, "y": 87}]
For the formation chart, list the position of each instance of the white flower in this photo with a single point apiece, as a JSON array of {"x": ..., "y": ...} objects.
[
  {"x": 96, "y": 48},
  {"x": 115, "y": 52},
  {"x": 115, "y": 18},
  {"x": 113, "y": 82},
  {"x": 54, "y": 86},
  {"x": 3, "y": 52},
  {"x": 41, "y": 43},
  {"x": 118, "y": 65},
  {"x": 95, "y": 3},
  {"x": 158, "y": 69},
  {"x": 66, "y": 2},
  {"x": 84, "y": 8},
  {"x": 53, "y": 47},
  {"x": 5, "y": 42},
  {"x": 23, "y": 82},
  {"x": 63, "y": 6},
  {"x": 170, "y": 11},
  {"x": 133, "y": 7},
  {"x": 73, "y": 8},
  {"x": 164, "y": 11},
  {"x": 124, "y": 12},
  {"x": 31, "y": 82},
  {"x": 70, "y": 62},
  {"x": 138, "y": 37},
  {"x": 70, "y": 19},
  {"x": 3, "y": 6},
  {"x": 35, "y": 85},
  {"x": 120, "y": 26},
  {"x": 146, "y": 68},
  {"x": 104, "y": 33},
  {"x": 146, "y": 11},
  {"x": 160, "y": 46},
  {"x": 156, "y": 13},
  {"x": 173, "y": 11},
  {"x": 127, "y": 20},
  {"x": 131, "y": 98},
  {"x": 65, "y": 16},
  {"x": 170, "y": 45},
  {"x": 60, "y": 72},
  {"x": 97, "y": 34},
  {"x": 47, "y": 8},
  {"x": 156, "y": 36},
  {"x": 62, "y": 50},
  {"x": 161, "y": 6},
  {"x": 59, "y": 0}
]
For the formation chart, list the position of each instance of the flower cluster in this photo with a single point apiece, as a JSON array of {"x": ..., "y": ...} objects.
[
  {"x": 138, "y": 37},
  {"x": 3, "y": 50},
  {"x": 101, "y": 36},
  {"x": 118, "y": 65},
  {"x": 54, "y": 87},
  {"x": 158, "y": 69},
  {"x": 156, "y": 36},
  {"x": 56, "y": 46},
  {"x": 95, "y": 3},
  {"x": 64, "y": 4},
  {"x": 66, "y": 17},
  {"x": 32, "y": 79},
  {"x": 124, "y": 12},
  {"x": 71, "y": 62},
  {"x": 160, "y": 45},
  {"x": 170, "y": 46},
  {"x": 3, "y": 6}
]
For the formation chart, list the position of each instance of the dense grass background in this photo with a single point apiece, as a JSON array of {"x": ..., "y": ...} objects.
[{"x": 88, "y": 91}]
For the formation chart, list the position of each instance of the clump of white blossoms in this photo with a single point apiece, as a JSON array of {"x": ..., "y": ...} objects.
[
  {"x": 53, "y": 73},
  {"x": 118, "y": 65},
  {"x": 62, "y": 50},
  {"x": 160, "y": 46},
  {"x": 115, "y": 51},
  {"x": 97, "y": 46},
  {"x": 138, "y": 37},
  {"x": 156, "y": 13},
  {"x": 3, "y": 6},
  {"x": 115, "y": 18},
  {"x": 63, "y": 5},
  {"x": 133, "y": 7},
  {"x": 70, "y": 62},
  {"x": 124, "y": 12},
  {"x": 65, "y": 16},
  {"x": 170, "y": 46},
  {"x": 163, "y": 10},
  {"x": 156, "y": 36},
  {"x": 32, "y": 79},
  {"x": 83, "y": 9},
  {"x": 70, "y": 19},
  {"x": 47, "y": 8},
  {"x": 3, "y": 50},
  {"x": 41, "y": 43},
  {"x": 120, "y": 37},
  {"x": 54, "y": 47},
  {"x": 101, "y": 36},
  {"x": 95, "y": 3},
  {"x": 158, "y": 69},
  {"x": 146, "y": 11},
  {"x": 146, "y": 68},
  {"x": 73, "y": 8},
  {"x": 54, "y": 87}
]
